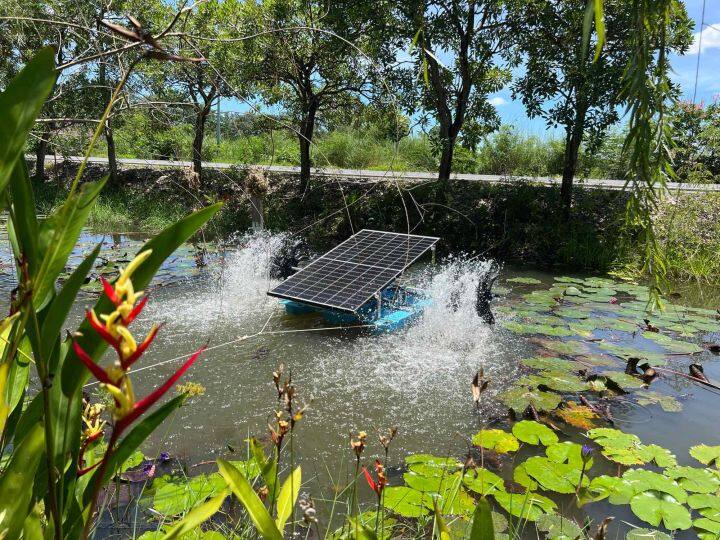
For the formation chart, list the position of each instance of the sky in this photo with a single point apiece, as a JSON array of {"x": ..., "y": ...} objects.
[{"x": 684, "y": 70}]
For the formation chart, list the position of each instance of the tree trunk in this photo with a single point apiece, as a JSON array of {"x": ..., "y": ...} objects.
[
  {"x": 307, "y": 127},
  {"x": 572, "y": 147},
  {"x": 200, "y": 120},
  {"x": 40, "y": 154},
  {"x": 111, "y": 154},
  {"x": 446, "y": 160}
]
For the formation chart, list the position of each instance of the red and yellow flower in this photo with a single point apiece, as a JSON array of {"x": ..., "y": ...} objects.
[{"x": 113, "y": 329}]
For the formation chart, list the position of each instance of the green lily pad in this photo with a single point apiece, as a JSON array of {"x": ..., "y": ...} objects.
[
  {"x": 524, "y": 280},
  {"x": 647, "y": 534},
  {"x": 668, "y": 403},
  {"x": 483, "y": 482},
  {"x": 706, "y": 454},
  {"x": 553, "y": 476},
  {"x": 643, "y": 480},
  {"x": 655, "y": 508},
  {"x": 536, "y": 329},
  {"x": 520, "y": 399},
  {"x": 695, "y": 480},
  {"x": 623, "y": 380},
  {"x": 567, "y": 279},
  {"x": 173, "y": 497},
  {"x": 708, "y": 505},
  {"x": 531, "y": 432},
  {"x": 654, "y": 358},
  {"x": 441, "y": 465},
  {"x": 661, "y": 456},
  {"x": 672, "y": 345},
  {"x": 572, "y": 291},
  {"x": 432, "y": 484},
  {"x": 567, "y": 452},
  {"x": 560, "y": 381},
  {"x": 572, "y": 313},
  {"x": 613, "y": 488},
  {"x": 497, "y": 440},
  {"x": 405, "y": 501},
  {"x": 529, "y": 506},
  {"x": 549, "y": 364},
  {"x": 557, "y": 527},
  {"x": 620, "y": 447},
  {"x": 708, "y": 529},
  {"x": 521, "y": 477},
  {"x": 453, "y": 500}
]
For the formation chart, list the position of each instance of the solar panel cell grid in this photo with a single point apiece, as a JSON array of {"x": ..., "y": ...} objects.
[{"x": 351, "y": 273}]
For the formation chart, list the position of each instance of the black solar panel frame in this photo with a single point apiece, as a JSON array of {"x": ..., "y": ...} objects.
[{"x": 342, "y": 258}]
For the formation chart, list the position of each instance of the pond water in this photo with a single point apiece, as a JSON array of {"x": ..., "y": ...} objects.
[{"x": 418, "y": 379}]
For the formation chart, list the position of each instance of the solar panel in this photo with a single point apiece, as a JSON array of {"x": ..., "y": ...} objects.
[{"x": 350, "y": 274}]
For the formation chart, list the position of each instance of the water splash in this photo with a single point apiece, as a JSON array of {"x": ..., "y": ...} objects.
[{"x": 231, "y": 293}]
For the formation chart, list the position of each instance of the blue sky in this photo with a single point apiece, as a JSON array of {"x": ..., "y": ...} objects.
[{"x": 708, "y": 81}]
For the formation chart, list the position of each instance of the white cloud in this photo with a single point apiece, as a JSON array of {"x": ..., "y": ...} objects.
[
  {"x": 497, "y": 100},
  {"x": 710, "y": 39}
]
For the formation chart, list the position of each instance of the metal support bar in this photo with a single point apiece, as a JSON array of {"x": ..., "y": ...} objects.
[
  {"x": 378, "y": 298},
  {"x": 432, "y": 254}
]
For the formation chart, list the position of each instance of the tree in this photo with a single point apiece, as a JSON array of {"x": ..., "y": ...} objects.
[
  {"x": 562, "y": 82},
  {"x": 696, "y": 141},
  {"x": 470, "y": 34},
  {"x": 307, "y": 58}
]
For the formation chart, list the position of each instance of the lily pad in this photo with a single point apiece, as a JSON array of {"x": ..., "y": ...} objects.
[
  {"x": 483, "y": 482},
  {"x": 647, "y": 534},
  {"x": 537, "y": 329},
  {"x": 661, "y": 456},
  {"x": 708, "y": 529},
  {"x": 623, "y": 380},
  {"x": 706, "y": 454},
  {"x": 405, "y": 501},
  {"x": 531, "y": 432},
  {"x": 567, "y": 452},
  {"x": 520, "y": 399},
  {"x": 560, "y": 381},
  {"x": 579, "y": 416},
  {"x": 668, "y": 403},
  {"x": 553, "y": 476},
  {"x": 567, "y": 348},
  {"x": 695, "y": 480},
  {"x": 557, "y": 527},
  {"x": 620, "y": 447},
  {"x": 524, "y": 280},
  {"x": 173, "y": 497},
  {"x": 613, "y": 488},
  {"x": 443, "y": 465},
  {"x": 529, "y": 506},
  {"x": 549, "y": 363},
  {"x": 497, "y": 440},
  {"x": 642, "y": 480},
  {"x": 656, "y": 508}
]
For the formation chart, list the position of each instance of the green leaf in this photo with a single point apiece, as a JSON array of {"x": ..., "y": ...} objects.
[
  {"x": 567, "y": 452},
  {"x": 62, "y": 304},
  {"x": 647, "y": 534},
  {"x": 529, "y": 506},
  {"x": 196, "y": 517},
  {"x": 661, "y": 456},
  {"x": 497, "y": 440},
  {"x": 482, "y": 481},
  {"x": 524, "y": 280},
  {"x": 20, "y": 105},
  {"x": 641, "y": 480},
  {"x": 58, "y": 235},
  {"x": 706, "y": 454},
  {"x": 531, "y": 432},
  {"x": 549, "y": 364},
  {"x": 553, "y": 476},
  {"x": 557, "y": 527},
  {"x": 560, "y": 381},
  {"x": 16, "y": 482},
  {"x": 74, "y": 374},
  {"x": 405, "y": 501},
  {"x": 695, "y": 480},
  {"x": 288, "y": 496},
  {"x": 655, "y": 508},
  {"x": 23, "y": 226},
  {"x": 520, "y": 399},
  {"x": 173, "y": 497},
  {"x": 441, "y": 525},
  {"x": 482, "y": 524},
  {"x": 246, "y": 495},
  {"x": 709, "y": 528}
]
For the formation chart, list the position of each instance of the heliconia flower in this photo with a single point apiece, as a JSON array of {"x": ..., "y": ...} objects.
[{"x": 130, "y": 409}]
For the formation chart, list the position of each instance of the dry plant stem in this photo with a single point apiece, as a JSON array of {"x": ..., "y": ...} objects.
[{"x": 689, "y": 377}]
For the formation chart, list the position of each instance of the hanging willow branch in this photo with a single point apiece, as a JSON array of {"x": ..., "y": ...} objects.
[{"x": 648, "y": 144}]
